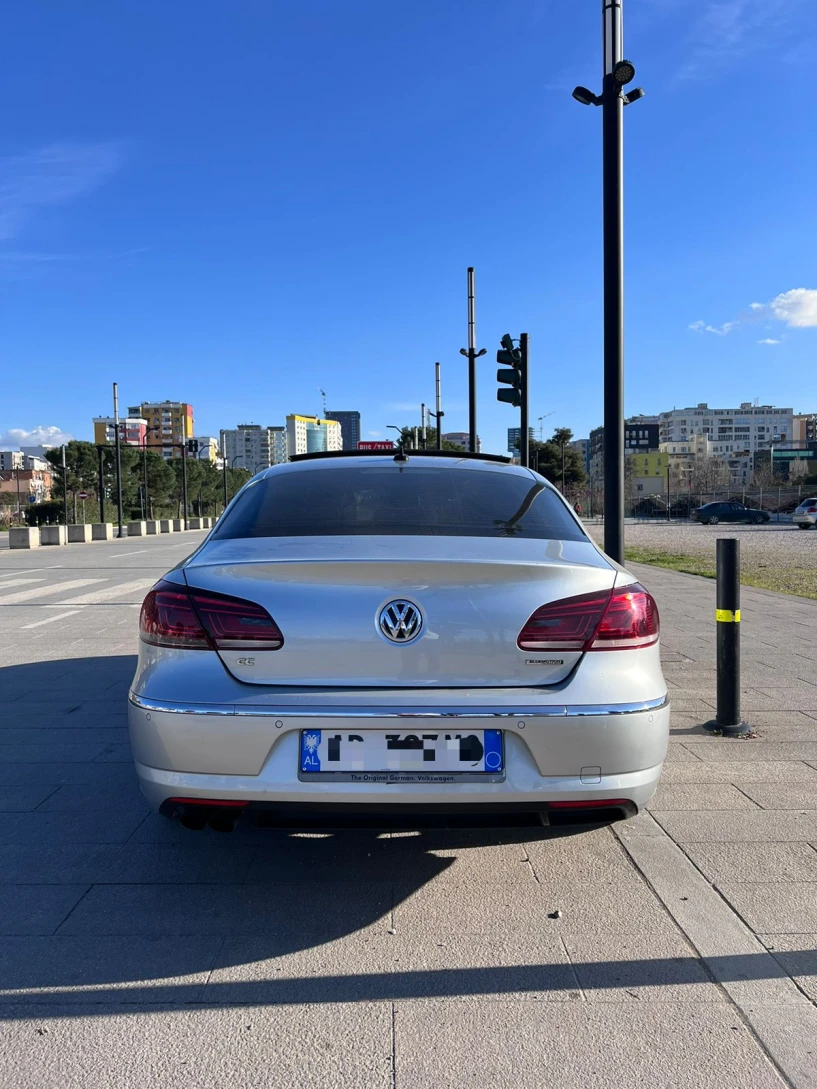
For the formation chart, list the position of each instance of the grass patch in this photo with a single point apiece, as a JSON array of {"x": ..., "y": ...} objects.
[
  {"x": 675, "y": 561},
  {"x": 782, "y": 580}
]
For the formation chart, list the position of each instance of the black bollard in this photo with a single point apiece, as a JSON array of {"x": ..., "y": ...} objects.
[{"x": 727, "y": 720}]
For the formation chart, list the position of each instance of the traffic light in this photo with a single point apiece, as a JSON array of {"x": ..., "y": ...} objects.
[
  {"x": 511, "y": 374},
  {"x": 192, "y": 446}
]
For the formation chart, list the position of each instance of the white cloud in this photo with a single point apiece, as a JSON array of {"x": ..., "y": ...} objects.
[
  {"x": 16, "y": 437},
  {"x": 725, "y": 32},
  {"x": 374, "y": 434},
  {"x": 797, "y": 308},
  {"x": 719, "y": 330},
  {"x": 53, "y": 175}
]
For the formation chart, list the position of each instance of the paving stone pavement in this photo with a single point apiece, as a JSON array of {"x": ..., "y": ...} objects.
[{"x": 676, "y": 950}]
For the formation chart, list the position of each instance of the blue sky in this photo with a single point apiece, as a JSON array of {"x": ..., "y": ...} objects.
[{"x": 236, "y": 202}]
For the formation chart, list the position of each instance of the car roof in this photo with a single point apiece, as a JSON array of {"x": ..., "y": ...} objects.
[{"x": 411, "y": 461}]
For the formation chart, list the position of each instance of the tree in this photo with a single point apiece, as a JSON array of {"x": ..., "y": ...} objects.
[
  {"x": 406, "y": 440},
  {"x": 764, "y": 476},
  {"x": 710, "y": 473},
  {"x": 558, "y": 462}
]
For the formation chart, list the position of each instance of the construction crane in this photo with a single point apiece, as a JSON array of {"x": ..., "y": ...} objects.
[{"x": 323, "y": 397}]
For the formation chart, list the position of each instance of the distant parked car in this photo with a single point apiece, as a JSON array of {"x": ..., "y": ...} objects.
[
  {"x": 712, "y": 513},
  {"x": 805, "y": 516}
]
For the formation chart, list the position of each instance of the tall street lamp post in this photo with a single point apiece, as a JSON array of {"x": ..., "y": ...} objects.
[
  {"x": 617, "y": 74},
  {"x": 472, "y": 355}
]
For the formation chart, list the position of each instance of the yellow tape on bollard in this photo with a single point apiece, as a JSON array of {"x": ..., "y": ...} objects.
[{"x": 726, "y": 616}]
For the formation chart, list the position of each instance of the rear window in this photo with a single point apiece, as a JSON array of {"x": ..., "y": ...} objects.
[{"x": 399, "y": 500}]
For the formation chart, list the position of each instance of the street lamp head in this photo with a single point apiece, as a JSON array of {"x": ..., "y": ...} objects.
[
  {"x": 482, "y": 351},
  {"x": 463, "y": 351},
  {"x": 624, "y": 72},
  {"x": 633, "y": 96},
  {"x": 586, "y": 97}
]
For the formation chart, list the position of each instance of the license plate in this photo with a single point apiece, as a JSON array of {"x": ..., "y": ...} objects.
[{"x": 385, "y": 756}]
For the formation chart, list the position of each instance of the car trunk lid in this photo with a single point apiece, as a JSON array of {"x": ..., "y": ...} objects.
[{"x": 327, "y": 595}]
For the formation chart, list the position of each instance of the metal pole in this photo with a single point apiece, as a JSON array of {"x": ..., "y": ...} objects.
[
  {"x": 101, "y": 452},
  {"x": 224, "y": 463},
  {"x": 439, "y": 415},
  {"x": 472, "y": 364},
  {"x": 19, "y": 509},
  {"x": 563, "y": 468},
  {"x": 184, "y": 481},
  {"x": 668, "y": 515},
  {"x": 117, "y": 441},
  {"x": 524, "y": 433},
  {"x": 727, "y": 720},
  {"x": 613, "y": 186},
  {"x": 145, "y": 473},
  {"x": 64, "y": 488},
  {"x": 423, "y": 421},
  {"x": 416, "y": 446}
]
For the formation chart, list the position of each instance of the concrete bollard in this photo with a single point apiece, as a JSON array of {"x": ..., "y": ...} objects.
[
  {"x": 136, "y": 529},
  {"x": 52, "y": 535},
  {"x": 79, "y": 534},
  {"x": 152, "y": 527},
  {"x": 178, "y": 525},
  {"x": 24, "y": 537},
  {"x": 195, "y": 523},
  {"x": 166, "y": 525},
  {"x": 102, "y": 531}
]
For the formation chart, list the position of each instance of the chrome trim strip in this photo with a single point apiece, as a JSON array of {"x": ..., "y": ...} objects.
[{"x": 555, "y": 711}]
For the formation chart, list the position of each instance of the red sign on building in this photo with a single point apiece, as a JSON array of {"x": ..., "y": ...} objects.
[{"x": 386, "y": 444}]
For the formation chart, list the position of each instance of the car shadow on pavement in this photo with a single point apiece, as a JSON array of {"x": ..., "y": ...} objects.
[{"x": 102, "y": 900}]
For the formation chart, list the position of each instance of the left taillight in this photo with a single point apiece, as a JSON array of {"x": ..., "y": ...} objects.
[{"x": 192, "y": 619}]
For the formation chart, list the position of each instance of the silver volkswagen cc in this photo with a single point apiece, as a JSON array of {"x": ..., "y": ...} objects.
[{"x": 404, "y": 633}]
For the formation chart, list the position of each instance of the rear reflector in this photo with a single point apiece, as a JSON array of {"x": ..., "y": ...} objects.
[
  {"x": 184, "y": 617},
  {"x": 592, "y": 803},
  {"x": 619, "y": 619}
]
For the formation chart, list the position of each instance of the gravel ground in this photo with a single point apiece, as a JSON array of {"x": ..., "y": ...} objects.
[{"x": 773, "y": 556}]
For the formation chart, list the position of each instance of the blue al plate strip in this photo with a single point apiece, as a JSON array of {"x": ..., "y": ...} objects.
[{"x": 310, "y": 745}]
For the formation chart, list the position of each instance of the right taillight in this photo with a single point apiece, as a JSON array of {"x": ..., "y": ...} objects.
[
  {"x": 620, "y": 619},
  {"x": 630, "y": 620},
  {"x": 178, "y": 616}
]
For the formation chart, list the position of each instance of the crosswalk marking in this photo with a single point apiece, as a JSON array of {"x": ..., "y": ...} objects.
[
  {"x": 50, "y": 619},
  {"x": 18, "y": 582},
  {"x": 111, "y": 593},
  {"x": 42, "y": 591}
]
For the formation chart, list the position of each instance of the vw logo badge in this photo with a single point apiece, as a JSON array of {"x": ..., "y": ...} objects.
[{"x": 400, "y": 621}]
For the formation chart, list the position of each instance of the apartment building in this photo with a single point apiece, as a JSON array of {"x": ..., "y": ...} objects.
[
  {"x": 731, "y": 431},
  {"x": 253, "y": 447},
  {"x": 350, "y": 427},
  {"x": 310, "y": 434},
  {"x": 132, "y": 430},
  {"x": 168, "y": 425},
  {"x": 641, "y": 436},
  {"x": 514, "y": 435},
  {"x": 805, "y": 427}
]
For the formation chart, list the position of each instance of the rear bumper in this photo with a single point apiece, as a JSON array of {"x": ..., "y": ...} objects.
[
  {"x": 804, "y": 519},
  {"x": 552, "y": 753}
]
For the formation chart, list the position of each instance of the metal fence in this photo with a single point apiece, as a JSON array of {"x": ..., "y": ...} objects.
[{"x": 778, "y": 500}]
